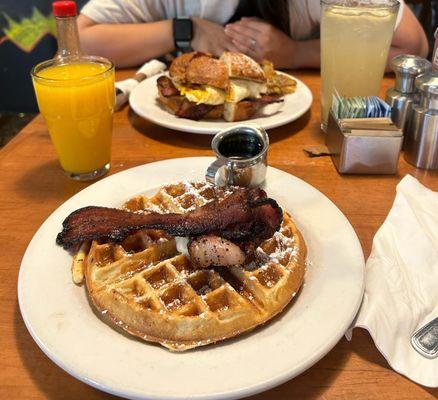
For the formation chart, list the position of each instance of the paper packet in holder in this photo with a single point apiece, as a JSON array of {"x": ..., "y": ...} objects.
[{"x": 364, "y": 145}]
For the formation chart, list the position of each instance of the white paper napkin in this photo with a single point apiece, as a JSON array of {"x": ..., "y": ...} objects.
[
  {"x": 401, "y": 284},
  {"x": 150, "y": 68}
]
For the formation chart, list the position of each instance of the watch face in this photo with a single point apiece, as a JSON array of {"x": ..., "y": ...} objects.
[{"x": 182, "y": 29}]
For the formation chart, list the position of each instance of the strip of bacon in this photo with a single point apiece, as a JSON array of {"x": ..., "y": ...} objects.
[
  {"x": 191, "y": 110},
  {"x": 166, "y": 87},
  {"x": 270, "y": 98},
  {"x": 245, "y": 215}
]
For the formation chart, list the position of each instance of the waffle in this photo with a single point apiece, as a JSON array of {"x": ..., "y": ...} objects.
[{"x": 146, "y": 287}]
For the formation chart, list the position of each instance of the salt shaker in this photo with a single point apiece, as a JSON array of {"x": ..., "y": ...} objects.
[
  {"x": 403, "y": 95},
  {"x": 421, "y": 141}
]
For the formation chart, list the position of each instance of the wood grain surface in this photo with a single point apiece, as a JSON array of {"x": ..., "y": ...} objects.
[{"x": 32, "y": 186}]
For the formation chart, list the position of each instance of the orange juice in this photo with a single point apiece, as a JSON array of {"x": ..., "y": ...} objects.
[{"x": 77, "y": 101}]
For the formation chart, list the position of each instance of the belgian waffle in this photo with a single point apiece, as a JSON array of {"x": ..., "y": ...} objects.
[{"x": 150, "y": 290}]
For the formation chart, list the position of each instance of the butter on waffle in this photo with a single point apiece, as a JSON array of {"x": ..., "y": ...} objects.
[{"x": 150, "y": 290}]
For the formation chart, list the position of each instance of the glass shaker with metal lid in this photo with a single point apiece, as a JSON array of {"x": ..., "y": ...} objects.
[
  {"x": 421, "y": 142},
  {"x": 403, "y": 95}
]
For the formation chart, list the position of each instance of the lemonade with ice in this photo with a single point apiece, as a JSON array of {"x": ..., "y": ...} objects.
[{"x": 355, "y": 39}]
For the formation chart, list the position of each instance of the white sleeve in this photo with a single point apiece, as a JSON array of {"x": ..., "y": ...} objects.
[
  {"x": 124, "y": 11},
  {"x": 400, "y": 13},
  {"x": 315, "y": 11}
]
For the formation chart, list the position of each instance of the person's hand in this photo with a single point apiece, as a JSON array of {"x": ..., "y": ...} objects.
[
  {"x": 210, "y": 37},
  {"x": 260, "y": 40}
]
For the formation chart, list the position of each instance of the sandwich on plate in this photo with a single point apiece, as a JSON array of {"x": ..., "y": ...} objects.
[{"x": 233, "y": 87}]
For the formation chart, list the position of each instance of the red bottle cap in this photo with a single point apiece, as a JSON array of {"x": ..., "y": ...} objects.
[{"x": 64, "y": 9}]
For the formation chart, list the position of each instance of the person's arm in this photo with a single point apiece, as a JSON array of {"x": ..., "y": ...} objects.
[
  {"x": 261, "y": 40},
  {"x": 128, "y": 45},
  {"x": 409, "y": 37}
]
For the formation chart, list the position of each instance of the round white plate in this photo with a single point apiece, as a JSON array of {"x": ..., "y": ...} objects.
[
  {"x": 143, "y": 101},
  {"x": 61, "y": 321}
]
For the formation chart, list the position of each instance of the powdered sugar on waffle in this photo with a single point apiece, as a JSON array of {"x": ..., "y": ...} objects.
[
  {"x": 285, "y": 247},
  {"x": 191, "y": 190},
  {"x": 175, "y": 303}
]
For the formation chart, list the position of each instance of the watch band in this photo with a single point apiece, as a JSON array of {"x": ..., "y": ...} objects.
[
  {"x": 182, "y": 33},
  {"x": 183, "y": 44}
]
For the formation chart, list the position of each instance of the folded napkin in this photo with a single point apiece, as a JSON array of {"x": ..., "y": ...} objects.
[
  {"x": 125, "y": 87},
  {"x": 401, "y": 284}
]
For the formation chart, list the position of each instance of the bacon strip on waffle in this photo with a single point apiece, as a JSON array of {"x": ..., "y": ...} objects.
[{"x": 246, "y": 214}]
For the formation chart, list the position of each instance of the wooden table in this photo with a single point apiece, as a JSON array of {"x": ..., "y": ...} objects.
[{"x": 32, "y": 186}]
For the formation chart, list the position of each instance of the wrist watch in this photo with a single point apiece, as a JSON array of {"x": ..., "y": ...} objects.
[{"x": 182, "y": 33}]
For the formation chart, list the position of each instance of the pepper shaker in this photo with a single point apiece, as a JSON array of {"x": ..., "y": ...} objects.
[
  {"x": 421, "y": 141},
  {"x": 403, "y": 95}
]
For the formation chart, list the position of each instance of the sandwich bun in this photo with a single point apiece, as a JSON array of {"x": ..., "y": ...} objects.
[
  {"x": 241, "y": 66},
  {"x": 240, "y": 111},
  {"x": 206, "y": 70},
  {"x": 178, "y": 68},
  {"x": 198, "y": 68}
]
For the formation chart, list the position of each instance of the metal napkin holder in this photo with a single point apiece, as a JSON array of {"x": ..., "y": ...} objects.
[{"x": 374, "y": 150}]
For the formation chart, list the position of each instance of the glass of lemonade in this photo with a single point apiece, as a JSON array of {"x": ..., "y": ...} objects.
[
  {"x": 77, "y": 98},
  {"x": 355, "y": 39}
]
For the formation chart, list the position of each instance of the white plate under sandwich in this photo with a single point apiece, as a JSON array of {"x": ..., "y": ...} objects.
[
  {"x": 143, "y": 101},
  {"x": 62, "y": 322}
]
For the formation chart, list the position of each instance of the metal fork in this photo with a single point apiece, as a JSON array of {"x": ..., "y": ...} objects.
[{"x": 425, "y": 339}]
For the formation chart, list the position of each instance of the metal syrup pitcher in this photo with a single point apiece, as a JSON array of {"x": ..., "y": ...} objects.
[
  {"x": 403, "y": 95},
  {"x": 421, "y": 141}
]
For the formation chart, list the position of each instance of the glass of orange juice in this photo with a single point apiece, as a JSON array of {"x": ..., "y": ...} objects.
[{"x": 76, "y": 98}]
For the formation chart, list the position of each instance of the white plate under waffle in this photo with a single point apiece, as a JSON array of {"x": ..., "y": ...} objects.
[
  {"x": 143, "y": 101},
  {"x": 61, "y": 321}
]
